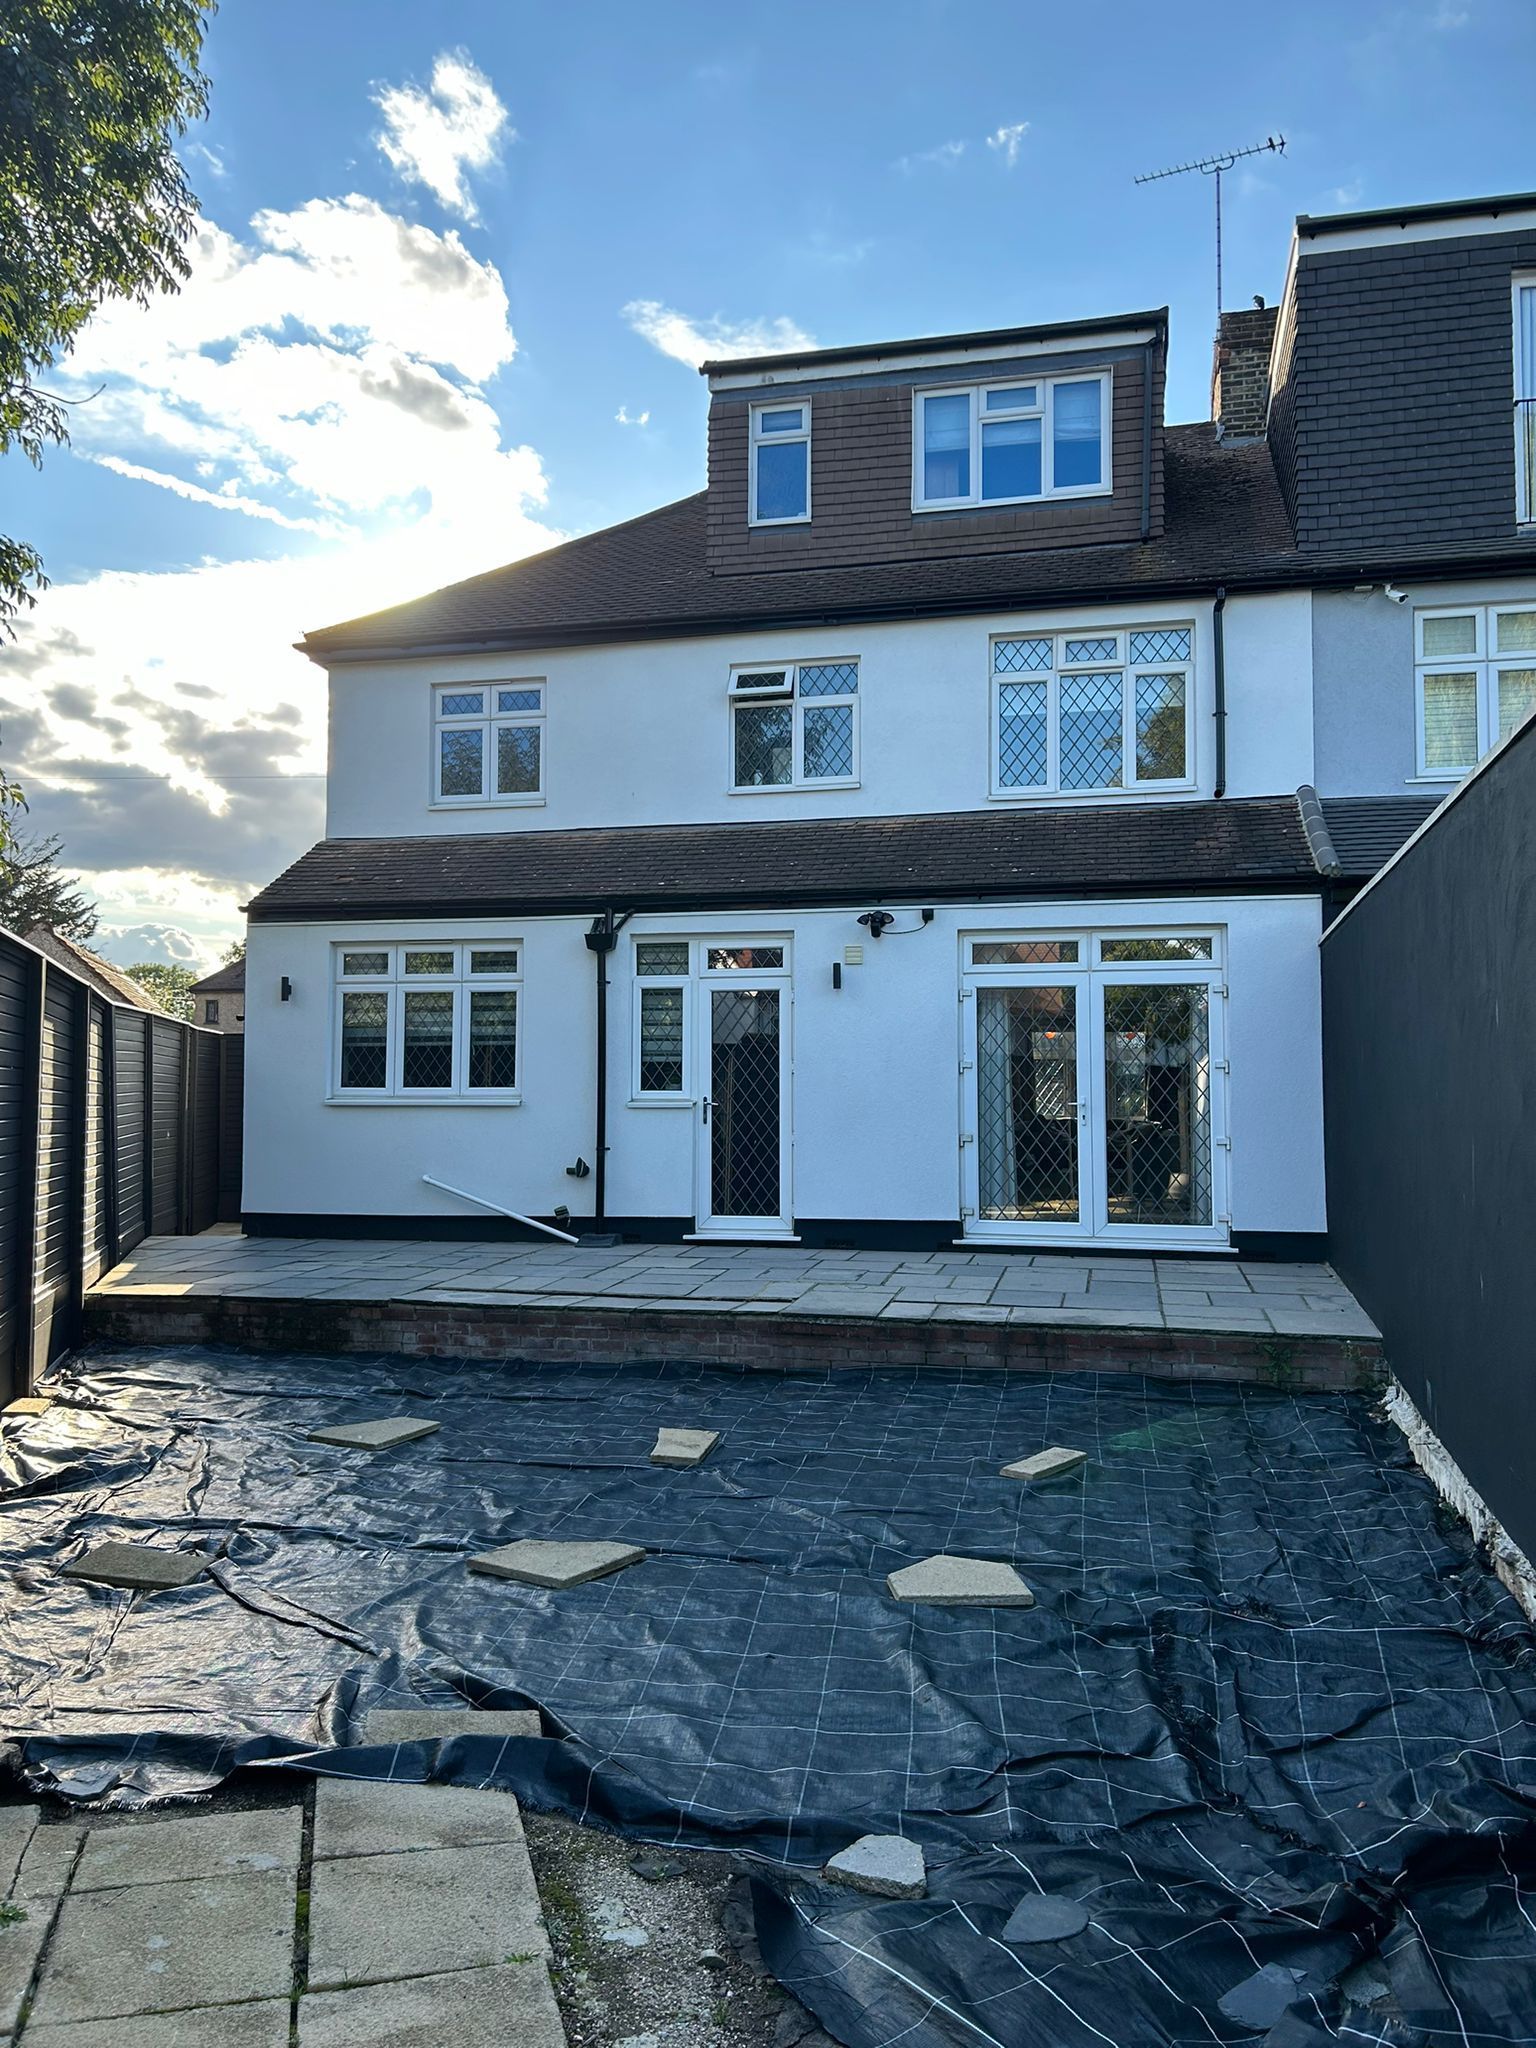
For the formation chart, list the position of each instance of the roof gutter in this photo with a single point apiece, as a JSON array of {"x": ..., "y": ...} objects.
[{"x": 1219, "y": 660}]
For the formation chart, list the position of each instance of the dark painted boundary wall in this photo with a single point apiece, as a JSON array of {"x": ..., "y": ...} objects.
[
  {"x": 1429, "y": 1067},
  {"x": 109, "y": 1130}
]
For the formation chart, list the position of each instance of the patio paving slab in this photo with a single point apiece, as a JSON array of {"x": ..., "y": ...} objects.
[
  {"x": 555, "y": 1566},
  {"x": 136, "y": 1567},
  {"x": 366, "y": 1817},
  {"x": 165, "y": 1947},
  {"x": 262, "y": 2025},
  {"x": 188, "y": 1846},
  {"x": 420, "y": 1913},
  {"x": 888, "y": 1866},
  {"x": 382, "y": 1435},
  {"x": 946, "y": 1581},
  {"x": 510, "y": 2005},
  {"x": 21, "y": 1943}
]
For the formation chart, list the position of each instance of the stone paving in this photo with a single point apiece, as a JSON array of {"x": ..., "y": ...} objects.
[
  {"x": 372, "y": 1915},
  {"x": 1058, "y": 1288}
]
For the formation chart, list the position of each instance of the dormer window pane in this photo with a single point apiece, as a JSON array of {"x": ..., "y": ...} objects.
[
  {"x": 1077, "y": 435},
  {"x": 1010, "y": 458},
  {"x": 947, "y": 446},
  {"x": 1010, "y": 398},
  {"x": 788, "y": 420},
  {"x": 779, "y": 482}
]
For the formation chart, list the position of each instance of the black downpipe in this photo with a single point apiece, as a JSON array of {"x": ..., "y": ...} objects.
[
  {"x": 1219, "y": 658},
  {"x": 602, "y": 939}
]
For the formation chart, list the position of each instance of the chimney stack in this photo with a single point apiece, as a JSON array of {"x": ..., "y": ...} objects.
[{"x": 1240, "y": 372}]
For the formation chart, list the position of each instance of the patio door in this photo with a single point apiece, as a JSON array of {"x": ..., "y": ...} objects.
[
  {"x": 743, "y": 1161},
  {"x": 1091, "y": 1105}
]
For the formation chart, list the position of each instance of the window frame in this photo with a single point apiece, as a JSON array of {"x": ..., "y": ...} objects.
[
  {"x": 1486, "y": 664},
  {"x": 739, "y": 698},
  {"x": 488, "y": 722},
  {"x": 756, "y": 439},
  {"x": 661, "y": 1098},
  {"x": 1524, "y": 423},
  {"x": 1045, "y": 411},
  {"x": 210, "y": 1009},
  {"x": 1131, "y": 785},
  {"x": 395, "y": 985}
]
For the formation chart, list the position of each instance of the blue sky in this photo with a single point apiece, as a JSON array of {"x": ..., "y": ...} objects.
[{"x": 458, "y": 264}]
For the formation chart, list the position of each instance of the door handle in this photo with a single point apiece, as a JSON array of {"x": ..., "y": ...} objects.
[{"x": 704, "y": 1107}]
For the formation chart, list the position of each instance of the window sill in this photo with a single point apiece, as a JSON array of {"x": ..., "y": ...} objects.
[
  {"x": 929, "y": 509},
  {"x": 792, "y": 788},
  {"x": 757, "y": 525},
  {"x": 1446, "y": 779},
  {"x": 662, "y": 1102},
  {"x": 1137, "y": 792},
  {"x": 489, "y": 1100},
  {"x": 485, "y": 803}
]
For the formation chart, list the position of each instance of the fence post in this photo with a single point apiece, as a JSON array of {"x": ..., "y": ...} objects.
[
  {"x": 109, "y": 1150},
  {"x": 29, "y": 1179},
  {"x": 149, "y": 1124},
  {"x": 77, "y": 1222}
]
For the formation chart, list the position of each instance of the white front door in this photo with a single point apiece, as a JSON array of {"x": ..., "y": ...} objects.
[
  {"x": 743, "y": 1062},
  {"x": 1091, "y": 1105}
]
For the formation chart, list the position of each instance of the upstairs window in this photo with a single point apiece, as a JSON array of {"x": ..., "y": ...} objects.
[
  {"x": 488, "y": 743},
  {"x": 210, "y": 1009},
  {"x": 1525, "y": 400},
  {"x": 429, "y": 1023},
  {"x": 779, "y": 480},
  {"x": 795, "y": 725},
  {"x": 1006, "y": 444},
  {"x": 1476, "y": 680},
  {"x": 1098, "y": 710}
]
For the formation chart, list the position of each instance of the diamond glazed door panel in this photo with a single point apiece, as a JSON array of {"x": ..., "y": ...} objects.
[
  {"x": 1157, "y": 1104},
  {"x": 1028, "y": 1106},
  {"x": 743, "y": 1112}
]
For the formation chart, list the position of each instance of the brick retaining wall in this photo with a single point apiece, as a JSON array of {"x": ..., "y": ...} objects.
[{"x": 736, "y": 1338}]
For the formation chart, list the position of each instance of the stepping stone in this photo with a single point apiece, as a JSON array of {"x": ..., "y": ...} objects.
[
  {"x": 29, "y": 1404},
  {"x": 420, "y": 1913},
  {"x": 138, "y": 1567},
  {"x": 1049, "y": 1464},
  {"x": 683, "y": 1447},
  {"x": 889, "y": 1866},
  {"x": 191, "y": 1845},
  {"x": 371, "y": 1817},
  {"x": 960, "y": 1582},
  {"x": 1044, "y": 1917},
  {"x": 375, "y": 1436},
  {"x": 490, "y": 2008},
  {"x": 1261, "y": 2000},
  {"x": 555, "y": 1566},
  {"x": 439, "y": 1724}
]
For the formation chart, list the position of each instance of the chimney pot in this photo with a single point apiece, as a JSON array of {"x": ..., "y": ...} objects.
[{"x": 1240, "y": 371}]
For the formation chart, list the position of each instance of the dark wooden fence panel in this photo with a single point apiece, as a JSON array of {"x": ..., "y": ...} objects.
[
  {"x": 231, "y": 1125},
  {"x": 110, "y": 1126},
  {"x": 1429, "y": 1019}
]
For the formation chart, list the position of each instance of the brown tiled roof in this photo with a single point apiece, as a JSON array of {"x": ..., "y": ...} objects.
[
  {"x": 113, "y": 982},
  {"x": 223, "y": 979},
  {"x": 1096, "y": 850}
]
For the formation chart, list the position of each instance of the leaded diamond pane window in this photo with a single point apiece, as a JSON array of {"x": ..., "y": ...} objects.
[
  {"x": 1023, "y": 952},
  {"x": 489, "y": 744},
  {"x": 1077, "y": 651},
  {"x": 364, "y": 1039},
  {"x": 365, "y": 963},
  {"x": 807, "y": 733},
  {"x": 1160, "y": 725},
  {"x": 492, "y": 1037},
  {"x": 517, "y": 759},
  {"x": 661, "y": 956},
  {"x": 427, "y": 1055},
  {"x": 1173, "y": 948},
  {"x": 1010, "y": 656},
  {"x": 764, "y": 746},
  {"x": 1157, "y": 1088},
  {"x": 744, "y": 958},
  {"x": 1091, "y": 736},
  {"x": 662, "y": 1011},
  {"x": 492, "y": 961},
  {"x": 1022, "y": 735},
  {"x": 463, "y": 761},
  {"x": 519, "y": 700},
  {"x": 829, "y": 678},
  {"x": 828, "y": 737},
  {"x": 436, "y": 962},
  {"x": 1160, "y": 643},
  {"x": 455, "y": 703}
]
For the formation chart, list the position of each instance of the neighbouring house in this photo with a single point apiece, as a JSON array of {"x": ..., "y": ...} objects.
[
  {"x": 219, "y": 998},
  {"x": 115, "y": 983},
  {"x": 925, "y": 832}
]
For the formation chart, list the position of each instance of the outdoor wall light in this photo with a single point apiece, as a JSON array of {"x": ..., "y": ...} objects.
[
  {"x": 877, "y": 920},
  {"x": 285, "y": 990}
]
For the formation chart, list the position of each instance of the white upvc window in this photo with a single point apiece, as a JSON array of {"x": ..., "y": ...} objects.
[
  {"x": 427, "y": 1021},
  {"x": 1525, "y": 397},
  {"x": 1009, "y": 444},
  {"x": 795, "y": 725},
  {"x": 488, "y": 743},
  {"x": 1092, "y": 710},
  {"x": 663, "y": 1006},
  {"x": 1475, "y": 680},
  {"x": 779, "y": 464}
]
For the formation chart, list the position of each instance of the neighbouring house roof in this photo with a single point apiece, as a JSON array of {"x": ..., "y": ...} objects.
[
  {"x": 1225, "y": 524},
  {"x": 969, "y": 856},
  {"x": 783, "y": 366},
  {"x": 222, "y": 981},
  {"x": 115, "y": 983},
  {"x": 1367, "y": 830}
]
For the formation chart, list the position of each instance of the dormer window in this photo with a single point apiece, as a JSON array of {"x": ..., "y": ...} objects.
[
  {"x": 780, "y": 464},
  {"x": 1008, "y": 444}
]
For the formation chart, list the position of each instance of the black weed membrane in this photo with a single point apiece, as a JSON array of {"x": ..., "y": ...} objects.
[{"x": 1270, "y": 1722}]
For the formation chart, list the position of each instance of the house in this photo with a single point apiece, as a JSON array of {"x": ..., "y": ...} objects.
[
  {"x": 925, "y": 831},
  {"x": 219, "y": 998},
  {"x": 115, "y": 983}
]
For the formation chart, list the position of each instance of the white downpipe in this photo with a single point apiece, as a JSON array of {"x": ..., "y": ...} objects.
[{"x": 532, "y": 1222}]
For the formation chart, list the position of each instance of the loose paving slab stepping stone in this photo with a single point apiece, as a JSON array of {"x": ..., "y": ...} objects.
[
  {"x": 681, "y": 1448},
  {"x": 511, "y": 2003},
  {"x": 534, "y": 1562},
  {"x": 190, "y": 1845},
  {"x": 367, "y": 1817},
  {"x": 375, "y": 1436},
  {"x": 262, "y": 2025},
  {"x": 960, "y": 1582},
  {"x": 1045, "y": 1917},
  {"x": 138, "y": 1567},
  {"x": 417, "y": 1914},
  {"x": 29, "y": 1404},
  {"x": 888, "y": 1865},
  {"x": 155, "y": 1948},
  {"x": 435, "y": 1724},
  {"x": 1049, "y": 1464}
]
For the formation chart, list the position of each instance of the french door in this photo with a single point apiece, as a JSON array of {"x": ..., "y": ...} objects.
[
  {"x": 1092, "y": 1105},
  {"x": 743, "y": 1059}
]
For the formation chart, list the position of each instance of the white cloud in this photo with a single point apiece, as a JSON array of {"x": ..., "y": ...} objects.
[
  {"x": 694, "y": 342},
  {"x": 1350, "y": 195},
  {"x": 434, "y": 137},
  {"x": 132, "y": 945},
  {"x": 210, "y": 159},
  {"x": 1448, "y": 16},
  {"x": 1007, "y": 141},
  {"x": 944, "y": 156},
  {"x": 226, "y": 499},
  {"x": 626, "y": 418}
]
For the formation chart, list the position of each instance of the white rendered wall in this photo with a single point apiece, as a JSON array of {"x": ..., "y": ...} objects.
[
  {"x": 639, "y": 734},
  {"x": 875, "y": 1080}
]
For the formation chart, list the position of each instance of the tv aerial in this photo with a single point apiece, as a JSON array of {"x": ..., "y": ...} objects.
[{"x": 1212, "y": 167}]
